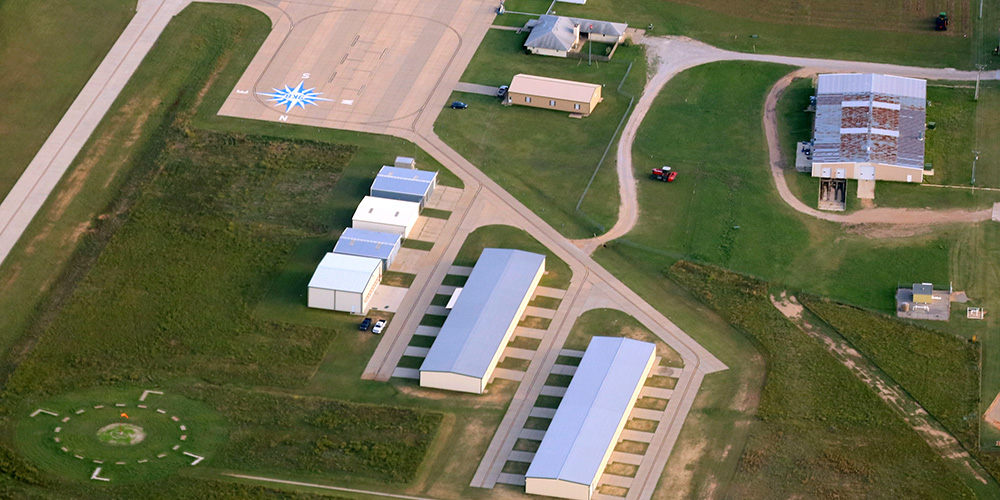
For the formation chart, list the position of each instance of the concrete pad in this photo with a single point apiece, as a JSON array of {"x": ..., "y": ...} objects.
[
  {"x": 542, "y": 412},
  {"x": 437, "y": 310},
  {"x": 444, "y": 198},
  {"x": 646, "y": 413},
  {"x": 428, "y": 229},
  {"x": 521, "y": 456},
  {"x": 996, "y": 212},
  {"x": 475, "y": 88},
  {"x": 602, "y": 496},
  {"x": 614, "y": 480},
  {"x": 563, "y": 370},
  {"x": 656, "y": 392},
  {"x": 551, "y": 390},
  {"x": 446, "y": 290},
  {"x": 460, "y": 270},
  {"x": 555, "y": 293},
  {"x": 571, "y": 352},
  {"x": 411, "y": 373},
  {"x": 539, "y": 312},
  {"x": 631, "y": 435},
  {"x": 532, "y": 434},
  {"x": 517, "y": 352},
  {"x": 408, "y": 260},
  {"x": 428, "y": 331},
  {"x": 667, "y": 371},
  {"x": 513, "y": 479},
  {"x": 866, "y": 189},
  {"x": 626, "y": 458},
  {"x": 531, "y": 333},
  {"x": 388, "y": 298},
  {"x": 416, "y": 352},
  {"x": 508, "y": 374}
]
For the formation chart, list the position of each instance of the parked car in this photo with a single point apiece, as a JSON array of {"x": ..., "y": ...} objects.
[
  {"x": 365, "y": 325},
  {"x": 459, "y": 105},
  {"x": 379, "y": 326},
  {"x": 502, "y": 91}
]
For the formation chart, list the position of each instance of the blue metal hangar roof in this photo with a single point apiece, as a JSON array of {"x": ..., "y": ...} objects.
[
  {"x": 588, "y": 416},
  {"x": 489, "y": 302},
  {"x": 404, "y": 180},
  {"x": 366, "y": 243}
]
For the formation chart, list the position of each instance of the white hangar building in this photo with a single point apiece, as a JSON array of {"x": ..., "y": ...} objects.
[
  {"x": 386, "y": 216},
  {"x": 344, "y": 283},
  {"x": 482, "y": 320},
  {"x": 590, "y": 418}
]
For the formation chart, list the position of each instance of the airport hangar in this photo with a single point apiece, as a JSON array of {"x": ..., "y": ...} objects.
[{"x": 480, "y": 324}]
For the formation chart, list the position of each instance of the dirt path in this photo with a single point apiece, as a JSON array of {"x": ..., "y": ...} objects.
[
  {"x": 671, "y": 55},
  {"x": 926, "y": 426}
]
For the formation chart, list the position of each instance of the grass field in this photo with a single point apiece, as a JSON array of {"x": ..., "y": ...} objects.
[
  {"x": 819, "y": 431},
  {"x": 557, "y": 272},
  {"x": 615, "y": 323},
  {"x": 48, "y": 50},
  {"x": 548, "y": 165},
  {"x": 882, "y": 31}
]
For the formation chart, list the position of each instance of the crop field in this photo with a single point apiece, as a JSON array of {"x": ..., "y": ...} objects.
[
  {"x": 48, "y": 50},
  {"x": 819, "y": 431},
  {"x": 548, "y": 165}
]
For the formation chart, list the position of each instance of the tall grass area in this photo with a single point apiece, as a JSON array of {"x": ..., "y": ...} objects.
[
  {"x": 48, "y": 51},
  {"x": 819, "y": 432},
  {"x": 543, "y": 157}
]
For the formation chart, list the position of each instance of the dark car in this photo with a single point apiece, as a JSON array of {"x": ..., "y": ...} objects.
[
  {"x": 459, "y": 105},
  {"x": 365, "y": 325}
]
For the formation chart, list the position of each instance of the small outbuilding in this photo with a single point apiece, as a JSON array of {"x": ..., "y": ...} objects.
[
  {"x": 344, "y": 283},
  {"x": 590, "y": 418},
  {"x": 482, "y": 320},
  {"x": 923, "y": 293},
  {"x": 405, "y": 162},
  {"x": 404, "y": 184},
  {"x": 553, "y": 93},
  {"x": 386, "y": 215},
  {"x": 364, "y": 243}
]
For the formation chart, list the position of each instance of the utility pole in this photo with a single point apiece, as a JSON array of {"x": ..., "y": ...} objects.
[{"x": 974, "y": 166}]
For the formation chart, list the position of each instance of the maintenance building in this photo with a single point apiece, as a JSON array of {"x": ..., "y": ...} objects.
[
  {"x": 482, "y": 320},
  {"x": 364, "y": 243},
  {"x": 553, "y": 93},
  {"x": 404, "y": 184},
  {"x": 385, "y": 215},
  {"x": 590, "y": 418},
  {"x": 344, "y": 283},
  {"x": 869, "y": 127}
]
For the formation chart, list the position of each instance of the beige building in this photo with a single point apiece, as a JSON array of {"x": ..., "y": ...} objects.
[{"x": 552, "y": 93}]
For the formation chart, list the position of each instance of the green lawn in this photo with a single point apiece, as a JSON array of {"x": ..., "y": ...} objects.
[
  {"x": 557, "y": 272},
  {"x": 48, "y": 51},
  {"x": 615, "y": 323},
  {"x": 548, "y": 164},
  {"x": 819, "y": 430},
  {"x": 881, "y": 31}
]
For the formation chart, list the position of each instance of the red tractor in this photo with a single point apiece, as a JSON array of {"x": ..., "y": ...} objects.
[{"x": 664, "y": 174}]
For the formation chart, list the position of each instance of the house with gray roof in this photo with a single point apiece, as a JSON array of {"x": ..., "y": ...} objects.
[{"x": 559, "y": 36}]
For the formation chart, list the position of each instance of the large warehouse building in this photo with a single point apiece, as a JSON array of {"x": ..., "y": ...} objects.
[
  {"x": 552, "y": 93},
  {"x": 364, "y": 243},
  {"x": 869, "y": 127},
  {"x": 404, "y": 184},
  {"x": 482, "y": 320},
  {"x": 344, "y": 283},
  {"x": 386, "y": 216},
  {"x": 590, "y": 418}
]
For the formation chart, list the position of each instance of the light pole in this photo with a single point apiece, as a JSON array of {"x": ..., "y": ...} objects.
[{"x": 974, "y": 167}]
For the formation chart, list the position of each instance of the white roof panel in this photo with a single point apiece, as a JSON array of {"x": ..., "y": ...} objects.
[
  {"x": 387, "y": 211},
  {"x": 348, "y": 273}
]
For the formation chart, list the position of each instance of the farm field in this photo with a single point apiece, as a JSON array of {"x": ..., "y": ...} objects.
[
  {"x": 816, "y": 426},
  {"x": 882, "y": 31},
  {"x": 48, "y": 50},
  {"x": 548, "y": 165}
]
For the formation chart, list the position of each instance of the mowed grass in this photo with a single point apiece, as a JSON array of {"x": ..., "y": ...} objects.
[
  {"x": 882, "y": 31},
  {"x": 543, "y": 157},
  {"x": 615, "y": 323},
  {"x": 557, "y": 272},
  {"x": 819, "y": 430},
  {"x": 48, "y": 51}
]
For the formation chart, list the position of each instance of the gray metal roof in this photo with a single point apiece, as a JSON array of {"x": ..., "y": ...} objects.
[
  {"x": 923, "y": 288},
  {"x": 489, "y": 302},
  {"x": 404, "y": 180},
  {"x": 366, "y": 243},
  {"x": 595, "y": 402},
  {"x": 870, "y": 118},
  {"x": 348, "y": 273},
  {"x": 556, "y": 32}
]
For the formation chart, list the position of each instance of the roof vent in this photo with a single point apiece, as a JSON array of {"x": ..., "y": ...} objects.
[{"x": 397, "y": 214}]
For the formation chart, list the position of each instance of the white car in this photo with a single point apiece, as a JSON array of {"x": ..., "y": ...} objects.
[{"x": 379, "y": 326}]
